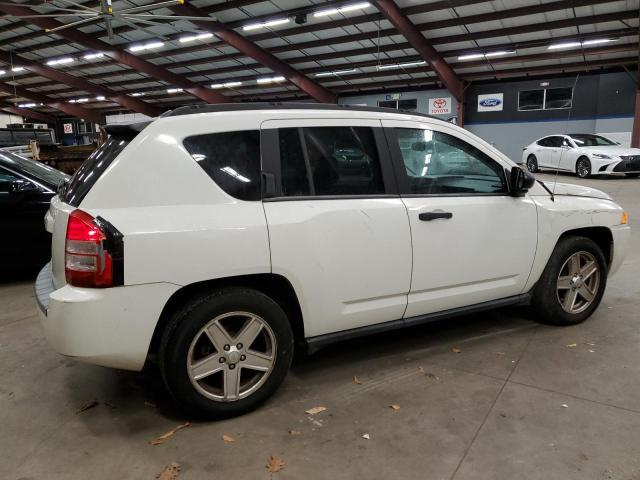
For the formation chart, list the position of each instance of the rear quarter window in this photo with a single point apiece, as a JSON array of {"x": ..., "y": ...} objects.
[{"x": 231, "y": 159}]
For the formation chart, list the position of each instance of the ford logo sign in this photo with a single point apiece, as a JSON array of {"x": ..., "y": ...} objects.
[{"x": 490, "y": 102}]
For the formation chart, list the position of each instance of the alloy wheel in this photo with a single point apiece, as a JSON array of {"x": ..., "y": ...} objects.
[
  {"x": 578, "y": 282},
  {"x": 231, "y": 356},
  {"x": 583, "y": 168},
  {"x": 532, "y": 164}
]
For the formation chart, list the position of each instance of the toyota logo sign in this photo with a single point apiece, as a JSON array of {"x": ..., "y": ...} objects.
[{"x": 440, "y": 106}]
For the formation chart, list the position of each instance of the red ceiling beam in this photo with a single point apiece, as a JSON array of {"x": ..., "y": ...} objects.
[
  {"x": 259, "y": 54},
  {"x": 120, "y": 56},
  {"x": 72, "y": 109},
  {"x": 81, "y": 84},
  {"x": 418, "y": 41}
]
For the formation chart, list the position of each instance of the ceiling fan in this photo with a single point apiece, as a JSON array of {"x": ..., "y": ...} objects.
[{"x": 105, "y": 12}]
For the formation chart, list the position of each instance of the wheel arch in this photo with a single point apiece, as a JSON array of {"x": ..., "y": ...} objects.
[
  {"x": 274, "y": 286},
  {"x": 602, "y": 236}
]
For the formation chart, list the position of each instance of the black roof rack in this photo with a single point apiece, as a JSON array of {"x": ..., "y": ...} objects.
[
  {"x": 237, "y": 107},
  {"x": 126, "y": 131}
]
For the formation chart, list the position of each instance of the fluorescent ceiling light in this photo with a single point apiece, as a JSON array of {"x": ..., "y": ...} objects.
[
  {"x": 61, "y": 61},
  {"x": 226, "y": 85},
  {"x": 71, "y": 101},
  {"x": 137, "y": 94},
  {"x": 17, "y": 69},
  {"x": 191, "y": 38},
  {"x": 564, "y": 45},
  {"x": 146, "y": 46},
  {"x": 2, "y": 72},
  {"x": 82, "y": 100},
  {"x": 348, "y": 8},
  {"x": 27, "y": 105},
  {"x": 173, "y": 90},
  {"x": 473, "y": 56},
  {"x": 270, "y": 23},
  {"x": 91, "y": 56},
  {"x": 598, "y": 41},
  {"x": 270, "y": 80},
  {"x": 100, "y": 98},
  {"x": 336, "y": 72},
  {"x": 401, "y": 65}
]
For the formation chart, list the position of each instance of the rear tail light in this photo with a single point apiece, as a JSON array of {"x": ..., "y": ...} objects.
[{"x": 92, "y": 255}]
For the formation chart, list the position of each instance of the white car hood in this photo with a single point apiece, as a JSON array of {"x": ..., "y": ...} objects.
[
  {"x": 577, "y": 191},
  {"x": 612, "y": 151}
]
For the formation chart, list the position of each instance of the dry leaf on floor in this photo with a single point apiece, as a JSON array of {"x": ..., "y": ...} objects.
[
  {"x": 591, "y": 351},
  {"x": 394, "y": 407},
  {"x": 366, "y": 436},
  {"x": 314, "y": 410},
  {"x": 88, "y": 406},
  {"x": 499, "y": 353},
  {"x": 572, "y": 345},
  {"x": 564, "y": 405},
  {"x": 228, "y": 439},
  {"x": 274, "y": 464},
  {"x": 356, "y": 380},
  {"x": 170, "y": 472},
  {"x": 162, "y": 438},
  {"x": 295, "y": 433},
  {"x": 421, "y": 370},
  {"x": 456, "y": 350}
]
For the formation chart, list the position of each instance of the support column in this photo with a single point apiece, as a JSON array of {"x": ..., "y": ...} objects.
[{"x": 460, "y": 111}]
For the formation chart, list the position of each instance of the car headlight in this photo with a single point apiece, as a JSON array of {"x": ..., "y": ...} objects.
[{"x": 601, "y": 156}]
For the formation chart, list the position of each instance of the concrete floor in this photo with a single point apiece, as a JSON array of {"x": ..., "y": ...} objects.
[{"x": 517, "y": 401}]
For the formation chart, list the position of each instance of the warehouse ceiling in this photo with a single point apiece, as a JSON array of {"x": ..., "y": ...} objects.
[{"x": 288, "y": 49}]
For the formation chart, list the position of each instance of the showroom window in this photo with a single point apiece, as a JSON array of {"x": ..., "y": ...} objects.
[
  {"x": 545, "y": 99},
  {"x": 329, "y": 161},
  {"x": 409, "y": 105},
  {"x": 231, "y": 159},
  {"x": 437, "y": 163}
]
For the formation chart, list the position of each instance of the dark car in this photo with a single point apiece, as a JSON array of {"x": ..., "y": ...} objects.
[{"x": 26, "y": 187}]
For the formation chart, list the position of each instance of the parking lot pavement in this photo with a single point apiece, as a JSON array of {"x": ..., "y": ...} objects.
[{"x": 492, "y": 395}]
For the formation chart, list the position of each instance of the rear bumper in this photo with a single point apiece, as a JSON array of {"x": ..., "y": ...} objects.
[{"x": 110, "y": 327}]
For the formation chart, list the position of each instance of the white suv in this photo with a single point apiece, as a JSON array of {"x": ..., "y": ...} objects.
[{"x": 215, "y": 238}]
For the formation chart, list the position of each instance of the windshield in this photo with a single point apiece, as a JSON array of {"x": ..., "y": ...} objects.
[
  {"x": 586, "y": 140},
  {"x": 33, "y": 169}
]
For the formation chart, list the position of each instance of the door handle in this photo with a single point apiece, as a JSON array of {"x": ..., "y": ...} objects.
[{"x": 428, "y": 216}]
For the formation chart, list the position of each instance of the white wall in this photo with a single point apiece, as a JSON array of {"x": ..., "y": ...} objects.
[{"x": 7, "y": 118}]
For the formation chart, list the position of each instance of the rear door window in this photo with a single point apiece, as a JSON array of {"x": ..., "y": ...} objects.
[
  {"x": 330, "y": 161},
  {"x": 231, "y": 159}
]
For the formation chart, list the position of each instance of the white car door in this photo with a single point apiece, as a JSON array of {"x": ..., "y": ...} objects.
[
  {"x": 338, "y": 229},
  {"x": 472, "y": 242}
]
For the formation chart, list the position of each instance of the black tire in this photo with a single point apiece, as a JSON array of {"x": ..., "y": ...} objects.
[
  {"x": 546, "y": 299},
  {"x": 632, "y": 175},
  {"x": 583, "y": 167},
  {"x": 188, "y": 322},
  {"x": 532, "y": 163}
]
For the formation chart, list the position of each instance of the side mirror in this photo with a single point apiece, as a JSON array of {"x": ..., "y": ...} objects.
[
  {"x": 21, "y": 186},
  {"x": 520, "y": 181}
]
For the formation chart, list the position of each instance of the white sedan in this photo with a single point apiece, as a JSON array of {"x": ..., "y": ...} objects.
[{"x": 582, "y": 153}]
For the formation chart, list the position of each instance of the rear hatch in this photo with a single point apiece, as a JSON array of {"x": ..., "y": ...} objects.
[{"x": 71, "y": 193}]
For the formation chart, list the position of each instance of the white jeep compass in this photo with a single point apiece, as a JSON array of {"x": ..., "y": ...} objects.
[{"x": 216, "y": 237}]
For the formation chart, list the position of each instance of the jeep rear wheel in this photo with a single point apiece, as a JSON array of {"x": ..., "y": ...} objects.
[
  {"x": 225, "y": 353},
  {"x": 572, "y": 284}
]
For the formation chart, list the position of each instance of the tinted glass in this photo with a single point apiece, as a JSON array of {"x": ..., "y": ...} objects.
[
  {"x": 531, "y": 100},
  {"x": 231, "y": 159},
  {"x": 33, "y": 169},
  {"x": 342, "y": 161},
  {"x": 90, "y": 171},
  {"x": 295, "y": 181},
  {"x": 438, "y": 163},
  {"x": 583, "y": 140},
  {"x": 6, "y": 179},
  {"x": 558, "y": 98}
]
